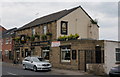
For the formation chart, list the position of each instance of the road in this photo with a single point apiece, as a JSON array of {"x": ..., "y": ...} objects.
[{"x": 11, "y": 71}]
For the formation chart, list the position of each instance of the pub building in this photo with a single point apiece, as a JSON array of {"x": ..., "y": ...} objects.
[{"x": 68, "y": 39}]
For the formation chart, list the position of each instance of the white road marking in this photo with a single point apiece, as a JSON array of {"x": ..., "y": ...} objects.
[{"x": 11, "y": 73}]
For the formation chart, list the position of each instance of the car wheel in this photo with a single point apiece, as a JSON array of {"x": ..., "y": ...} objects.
[
  {"x": 24, "y": 67},
  {"x": 34, "y": 68}
]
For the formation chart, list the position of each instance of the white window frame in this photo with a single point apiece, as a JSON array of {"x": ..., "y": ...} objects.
[
  {"x": 44, "y": 51},
  {"x": 45, "y": 29},
  {"x": 64, "y": 50},
  {"x": 33, "y": 31}
]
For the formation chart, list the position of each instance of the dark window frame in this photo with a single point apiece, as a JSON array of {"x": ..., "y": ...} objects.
[
  {"x": 74, "y": 54},
  {"x": 64, "y": 32},
  {"x": 98, "y": 54},
  {"x": 117, "y": 52}
]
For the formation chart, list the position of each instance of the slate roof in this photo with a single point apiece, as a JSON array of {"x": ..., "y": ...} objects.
[
  {"x": 8, "y": 33},
  {"x": 51, "y": 18}
]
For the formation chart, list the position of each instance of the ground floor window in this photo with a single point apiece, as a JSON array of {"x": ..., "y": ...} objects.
[
  {"x": 118, "y": 54},
  {"x": 22, "y": 53},
  {"x": 46, "y": 53},
  {"x": 74, "y": 54},
  {"x": 65, "y": 54},
  {"x": 98, "y": 54},
  {"x": 27, "y": 53}
]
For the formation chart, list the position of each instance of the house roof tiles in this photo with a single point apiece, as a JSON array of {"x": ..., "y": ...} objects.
[{"x": 51, "y": 18}]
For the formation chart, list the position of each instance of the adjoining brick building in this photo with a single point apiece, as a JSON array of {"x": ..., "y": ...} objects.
[
  {"x": 1, "y": 31},
  {"x": 7, "y": 45}
]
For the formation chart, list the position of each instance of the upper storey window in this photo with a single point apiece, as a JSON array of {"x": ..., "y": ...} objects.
[
  {"x": 33, "y": 31},
  {"x": 64, "y": 27},
  {"x": 44, "y": 29}
]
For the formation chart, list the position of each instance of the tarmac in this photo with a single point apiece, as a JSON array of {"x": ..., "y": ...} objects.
[{"x": 58, "y": 71}]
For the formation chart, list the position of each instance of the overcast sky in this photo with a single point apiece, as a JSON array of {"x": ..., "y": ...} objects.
[{"x": 17, "y": 14}]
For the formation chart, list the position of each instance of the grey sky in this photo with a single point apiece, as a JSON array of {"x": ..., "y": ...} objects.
[{"x": 17, "y": 14}]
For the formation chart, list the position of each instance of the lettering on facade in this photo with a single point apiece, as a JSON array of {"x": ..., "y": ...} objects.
[{"x": 55, "y": 44}]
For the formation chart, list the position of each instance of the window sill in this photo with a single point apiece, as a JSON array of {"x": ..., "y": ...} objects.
[
  {"x": 66, "y": 61},
  {"x": 118, "y": 62}
]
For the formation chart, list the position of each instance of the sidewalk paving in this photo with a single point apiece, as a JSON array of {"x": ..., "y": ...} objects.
[{"x": 55, "y": 70}]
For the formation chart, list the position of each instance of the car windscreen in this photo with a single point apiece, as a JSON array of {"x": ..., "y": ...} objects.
[{"x": 36, "y": 59}]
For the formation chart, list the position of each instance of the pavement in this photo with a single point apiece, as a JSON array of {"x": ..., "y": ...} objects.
[{"x": 58, "y": 71}]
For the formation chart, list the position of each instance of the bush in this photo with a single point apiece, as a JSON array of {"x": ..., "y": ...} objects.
[
  {"x": 44, "y": 37},
  {"x": 62, "y": 38},
  {"x": 37, "y": 36},
  {"x": 17, "y": 39},
  {"x": 27, "y": 37},
  {"x": 32, "y": 38},
  {"x": 71, "y": 37},
  {"x": 76, "y": 36}
]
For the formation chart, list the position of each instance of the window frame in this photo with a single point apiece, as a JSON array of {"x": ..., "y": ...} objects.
[
  {"x": 74, "y": 54},
  {"x": 65, "y": 49},
  {"x": 33, "y": 31},
  {"x": 64, "y": 31},
  {"x": 45, "y": 50},
  {"x": 117, "y": 51},
  {"x": 45, "y": 29}
]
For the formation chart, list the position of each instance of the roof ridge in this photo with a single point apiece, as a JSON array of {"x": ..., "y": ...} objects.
[{"x": 48, "y": 18}]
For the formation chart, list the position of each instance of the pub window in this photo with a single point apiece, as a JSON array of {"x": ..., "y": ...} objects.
[
  {"x": 64, "y": 27},
  {"x": 33, "y": 31},
  {"x": 74, "y": 54},
  {"x": 27, "y": 53},
  {"x": 118, "y": 54},
  {"x": 98, "y": 54},
  {"x": 65, "y": 54},
  {"x": 44, "y": 29},
  {"x": 22, "y": 53},
  {"x": 45, "y": 53}
]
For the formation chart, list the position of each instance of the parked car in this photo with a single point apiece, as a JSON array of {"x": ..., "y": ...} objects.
[
  {"x": 115, "y": 72},
  {"x": 36, "y": 63}
]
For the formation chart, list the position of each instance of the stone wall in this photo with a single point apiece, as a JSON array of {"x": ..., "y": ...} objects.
[
  {"x": 80, "y": 46},
  {"x": 97, "y": 69}
]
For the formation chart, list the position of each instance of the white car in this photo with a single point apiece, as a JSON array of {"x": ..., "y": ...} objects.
[{"x": 36, "y": 63}]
